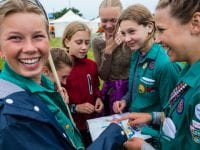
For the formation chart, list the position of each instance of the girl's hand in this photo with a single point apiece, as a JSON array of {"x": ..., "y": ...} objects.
[{"x": 98, "y": 105}]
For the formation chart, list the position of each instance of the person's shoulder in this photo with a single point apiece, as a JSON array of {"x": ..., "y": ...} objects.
[
  {"x": 8, "y": 88},
  {"x": 98, "y": 42}
]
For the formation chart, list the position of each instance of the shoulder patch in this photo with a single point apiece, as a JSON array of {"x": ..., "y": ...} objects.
[
  {"x": 197, "y": 111},
  {"x": 180, "y": 106},
  {"x": 8, "y": 88}
]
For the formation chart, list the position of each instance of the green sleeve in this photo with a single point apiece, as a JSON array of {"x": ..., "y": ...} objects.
[
  {"x": 194, "y": 120},
  {"x": 168, "y": 77}
]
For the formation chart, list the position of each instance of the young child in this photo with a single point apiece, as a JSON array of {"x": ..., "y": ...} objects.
[
  {"x": 152, "y": 75},
  {"x": 63, "y": 65},
  {"x": 32, "y": 113},
  {"x": 83, "y": 83}
]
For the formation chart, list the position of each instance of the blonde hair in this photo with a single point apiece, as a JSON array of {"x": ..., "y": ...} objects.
[
  {"x": 19, "y": 6},
  {"x": 181, "y": 9},
  {"x": 139, "y": 14},
  {"x": 111, "y": 3},
  {"x": 72, "y": 28}
]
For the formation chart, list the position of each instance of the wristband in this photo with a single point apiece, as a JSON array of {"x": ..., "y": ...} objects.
[
  {"x": 156, "y": 117},
  {"x": 73, "y": 108}
]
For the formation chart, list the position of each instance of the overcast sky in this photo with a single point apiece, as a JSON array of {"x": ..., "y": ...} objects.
[{"x": 89, "y": 8}]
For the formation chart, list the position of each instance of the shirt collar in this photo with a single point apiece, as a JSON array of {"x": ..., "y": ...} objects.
[
  {"x": 152, "y": 53},
  {"x": 26, "y": 83},
  {"x": 191, "y": 74}
]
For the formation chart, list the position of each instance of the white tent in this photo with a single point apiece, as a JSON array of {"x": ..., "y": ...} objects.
[
  {"x": 62, "y": 22},
  {"x": 94, "y": 24}
]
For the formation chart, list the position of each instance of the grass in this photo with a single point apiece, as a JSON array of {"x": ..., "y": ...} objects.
[
  {"x": 1, "y": 63},
  {"x": 56, "y": 42}
]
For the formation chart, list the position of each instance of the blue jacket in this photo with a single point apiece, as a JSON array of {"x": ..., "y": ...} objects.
[
  {"x": 26, "y": 123},
  {"x": 112, "y": 138}
]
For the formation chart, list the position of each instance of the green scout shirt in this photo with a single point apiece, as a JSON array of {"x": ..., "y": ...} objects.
[
  {"x": 50, "y": 97},
  {"x": 152, "y": 79},
  {"x": 185, "y": 113}
]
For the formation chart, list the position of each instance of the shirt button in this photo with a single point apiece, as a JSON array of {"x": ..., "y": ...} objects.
[
  {"x": 67, "y": 126},
  {"x": 122, "y": 133},
  {"x": 64, "y": 135},
  {"x": 36, "y": 108},
  {"x": 9, "y": 101}
]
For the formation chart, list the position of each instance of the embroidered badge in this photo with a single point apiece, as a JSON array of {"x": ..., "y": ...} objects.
[
  {"x": 197, "y": 111},
  {"x": 144, "y": 65},
  {"x": 177, "y": 92},
  {"x": 180, "y": 106},
  {"x": 197, "y": 139},
  {"x": 89, "y": 78},
  {"x": 151, "y": 65},
  {"x": 195, "y": 134},
  {"x": 141, "y": 88},
  {"x": 147, "y": 80},
  {"x": 196, "y": 124}
]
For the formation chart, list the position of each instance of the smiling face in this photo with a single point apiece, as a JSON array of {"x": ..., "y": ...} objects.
[
  {"x": 109, "y": 17},
  {"x": 79, "y": 43},
  {"x": 24, "y": 43},
  {"x": 134, "y": 35},
  {"x": 173, "y": 35}
]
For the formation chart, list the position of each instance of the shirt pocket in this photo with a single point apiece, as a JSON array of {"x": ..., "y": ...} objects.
[{"x": 147, "y": 86}]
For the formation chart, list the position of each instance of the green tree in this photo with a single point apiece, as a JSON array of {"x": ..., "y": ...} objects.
[{"x": 58, "y": 14}]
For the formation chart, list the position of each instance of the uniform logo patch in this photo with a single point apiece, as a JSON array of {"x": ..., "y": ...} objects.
[
  {"x": 144, "y": 65},
  {"x": 197, "y": 139},
  {"x": 141, "y": 88},
  {"x": 196, "y": 124},
  {"x": 151, "y": 65},
  {"x": 180, "y": 106},
  {"x": 197, "y": 111}
]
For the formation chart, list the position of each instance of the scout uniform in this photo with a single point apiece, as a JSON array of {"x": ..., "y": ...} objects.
[
  {"x": 152, "y": 78},
  {"x": 181, "y": 129},
  {"x": 51, "y": 98}
]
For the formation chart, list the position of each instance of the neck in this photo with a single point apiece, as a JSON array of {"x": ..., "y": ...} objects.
[
  {"x": 108, "y": 36},
  {"x": 147, "y": 45}
]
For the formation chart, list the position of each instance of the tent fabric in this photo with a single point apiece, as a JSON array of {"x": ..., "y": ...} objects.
[
  {"x": 62, "y": 22},
  {"x": 69, "y": 17}
]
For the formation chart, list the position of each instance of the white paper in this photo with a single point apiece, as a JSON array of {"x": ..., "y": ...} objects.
[{"x": 98, "y": 125}]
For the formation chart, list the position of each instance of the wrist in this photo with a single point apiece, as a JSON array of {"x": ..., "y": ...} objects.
[{"x": 155, "y": 117}]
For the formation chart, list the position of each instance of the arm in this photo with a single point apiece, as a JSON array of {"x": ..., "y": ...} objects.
[
  {"x": 97, "y": 94},
  {"x": 137, "y": 143},
  {"x": 103, "y": 56},
  {"x": 98, "y": 44},
  {"x": 112, "y": 138},
  {"x": 193, "y": 122}
]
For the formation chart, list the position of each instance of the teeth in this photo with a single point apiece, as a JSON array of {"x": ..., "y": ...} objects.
[
  {"x": 166, "y": 48},
  {"x": 29, "y": 61}
]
